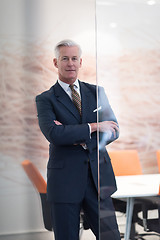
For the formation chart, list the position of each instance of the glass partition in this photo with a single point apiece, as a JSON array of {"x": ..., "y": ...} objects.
[{"x": 128, "y": 49}]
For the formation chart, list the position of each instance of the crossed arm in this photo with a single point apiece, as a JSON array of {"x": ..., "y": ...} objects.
[
  {"x": 65, "y": 134},
  {"x": 109, "y": 127}
]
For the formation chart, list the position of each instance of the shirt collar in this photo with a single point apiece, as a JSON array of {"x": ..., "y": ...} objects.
[{"x": 65, "y": 86}]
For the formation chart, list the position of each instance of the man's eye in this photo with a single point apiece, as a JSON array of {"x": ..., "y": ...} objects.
[
  {"x": 74, "y": 59},
  {"x": 64, "y": 58}
]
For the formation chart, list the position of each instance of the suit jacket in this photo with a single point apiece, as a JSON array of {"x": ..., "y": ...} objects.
[{"x": 68, "y": 161}]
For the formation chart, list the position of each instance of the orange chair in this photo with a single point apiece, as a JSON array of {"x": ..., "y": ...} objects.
[
  {"x": 125, "y": 162},
  {"x": 158, "y": 159},
  {"x": 150, "y": 224},
  {"x": 151, "y": 203},
  {"x": 41, "y": 186},
  {"x": 35, "y": 176}
]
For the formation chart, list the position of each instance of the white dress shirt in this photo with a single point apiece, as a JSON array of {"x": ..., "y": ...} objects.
[{"x": 67, "y": 89}]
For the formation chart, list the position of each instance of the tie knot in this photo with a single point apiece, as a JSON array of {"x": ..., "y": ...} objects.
[{"x": 71, "y": 86}]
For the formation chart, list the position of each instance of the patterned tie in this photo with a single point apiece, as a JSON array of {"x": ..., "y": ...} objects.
[{"x": 76, "y": 98}]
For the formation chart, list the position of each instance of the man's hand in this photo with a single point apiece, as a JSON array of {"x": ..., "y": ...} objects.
[
  {"x": 108, "y": 126},
  {"x": 105, "y": 126}
]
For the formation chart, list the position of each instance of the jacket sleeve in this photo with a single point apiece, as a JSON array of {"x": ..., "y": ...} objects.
[
  {"x": 106, "y": 114},
  {"x": 59, "y": 134}
]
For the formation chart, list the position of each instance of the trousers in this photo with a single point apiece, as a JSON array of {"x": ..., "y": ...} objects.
[{"x": 99, "y": 215}]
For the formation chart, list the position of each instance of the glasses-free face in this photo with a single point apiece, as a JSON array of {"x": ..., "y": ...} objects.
[{"x": 68, "y": 64}]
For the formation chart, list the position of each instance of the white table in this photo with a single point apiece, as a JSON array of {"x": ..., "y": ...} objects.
[{"x": 131, "y": 187}]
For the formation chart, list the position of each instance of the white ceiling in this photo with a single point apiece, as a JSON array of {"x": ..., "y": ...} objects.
[{"x": 118, "y": 24}]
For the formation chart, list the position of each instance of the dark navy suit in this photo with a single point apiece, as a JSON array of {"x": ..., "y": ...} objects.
[{"x": 67, "y": 170}]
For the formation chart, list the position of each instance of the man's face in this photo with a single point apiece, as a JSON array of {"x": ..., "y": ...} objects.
[{"x": 68, "y": 64}]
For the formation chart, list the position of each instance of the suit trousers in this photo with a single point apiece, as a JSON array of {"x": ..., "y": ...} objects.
[{"x": 66, "y": 216}]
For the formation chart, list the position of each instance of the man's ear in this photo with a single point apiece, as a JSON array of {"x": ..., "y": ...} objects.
[
  {"x": 80, "y": 62},
  {"x": 55, "y": 62}
]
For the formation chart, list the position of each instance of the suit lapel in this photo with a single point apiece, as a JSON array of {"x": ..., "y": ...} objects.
[
  {"x": 85, "y": 98},
  {"x": 63, "y": 97}
]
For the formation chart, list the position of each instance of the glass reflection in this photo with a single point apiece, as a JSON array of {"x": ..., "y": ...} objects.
[
  {"x": 108, "y": 132},
  {"x": 127, "y": 63}
]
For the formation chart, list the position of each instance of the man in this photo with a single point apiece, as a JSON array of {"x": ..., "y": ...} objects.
[{"x": 67, "y": 116}]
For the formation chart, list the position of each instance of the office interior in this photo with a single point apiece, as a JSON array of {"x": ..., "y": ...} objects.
[{"x": 120, "y": 40}]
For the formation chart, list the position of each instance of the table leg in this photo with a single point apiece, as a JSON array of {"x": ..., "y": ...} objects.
[{"x": 129, "y": 213}]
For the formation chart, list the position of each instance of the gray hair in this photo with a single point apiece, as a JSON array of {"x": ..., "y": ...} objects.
[{"x": 67, "y": 43}]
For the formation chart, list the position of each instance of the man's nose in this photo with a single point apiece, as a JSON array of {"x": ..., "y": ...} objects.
[{"x": 70, "y": 62}]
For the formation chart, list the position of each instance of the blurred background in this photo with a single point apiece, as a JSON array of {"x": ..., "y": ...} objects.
[{"x": 120, "y": 40}]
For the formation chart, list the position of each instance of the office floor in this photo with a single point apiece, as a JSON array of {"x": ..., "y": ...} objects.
[{"x": 86, "y": 235}]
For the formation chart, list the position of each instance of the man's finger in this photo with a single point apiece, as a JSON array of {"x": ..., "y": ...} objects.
[{"x": 57, "y": 122}]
